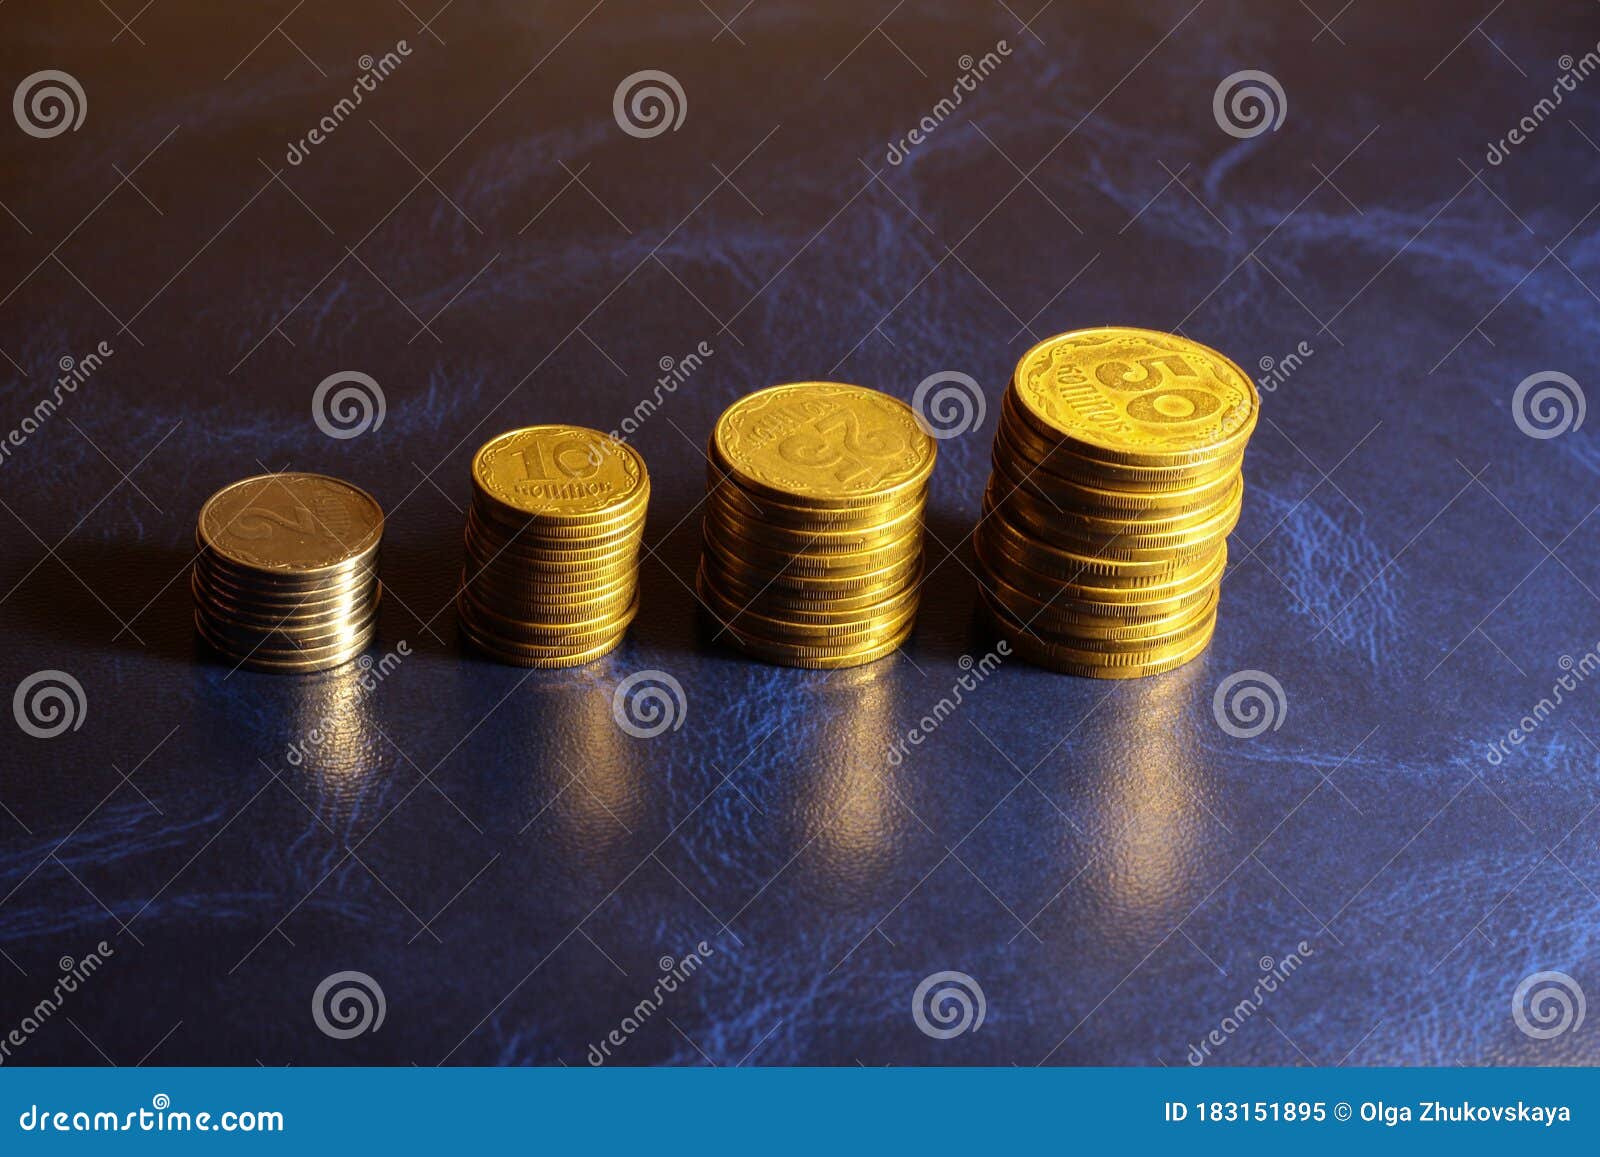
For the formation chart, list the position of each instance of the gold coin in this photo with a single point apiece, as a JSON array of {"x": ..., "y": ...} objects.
[
  {"x": 545, "y": 660},
  {"x": 779, "y": 624},
  {"x": 857, "y": 580},
  {"x": 560, "y": 474},
  {"x": 999, "y": 532},
  {"x": 823, "y": 444},
  {"x": 290, "y": 524},
  {"x": 1097, "y": 591},
  {"x": 822, "y": 658},
  {"x": 1064, "y": 625},
  {"x": 1136, "y": 396},
  {"x": 575, "y": 635},
  {"x": 807, "y": 600},
  {"x": 1130, "y": 665},
  {"x": 727, "y": 494}
]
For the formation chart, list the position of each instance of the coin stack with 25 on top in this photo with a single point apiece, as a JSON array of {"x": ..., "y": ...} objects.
[
  {"x": 552, "y": 543},
  {"x": 1116, "y": 481},
  {"x": 285, "y": 578},
  {"x": 813, "y": 524}
]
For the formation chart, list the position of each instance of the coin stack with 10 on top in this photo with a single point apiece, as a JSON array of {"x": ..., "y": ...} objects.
[
  {"x": 552, "y": 543},
  {"x": 286, "y": 574},
  {"x": 813, "y": 524},
  {"x": 1116, "y": 481}
]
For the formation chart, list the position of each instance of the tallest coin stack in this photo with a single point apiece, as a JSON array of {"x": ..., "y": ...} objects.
[{"x": 1116, "y": 481}]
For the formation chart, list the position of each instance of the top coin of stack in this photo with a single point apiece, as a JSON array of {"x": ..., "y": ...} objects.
[
  {"x": 552, "y": 539},
  {"x": 1116, "y": 481},
  {"x": 813, "y": 525},
  {"x": 285, "y": 578}
]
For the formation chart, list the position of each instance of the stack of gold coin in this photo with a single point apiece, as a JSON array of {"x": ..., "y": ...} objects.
[
  {"x": 552, "y": 570},
  {"x": 285, "y": 578},
  {"x": 1116, "y": 481},
  {"x": 813, "y": 524}
]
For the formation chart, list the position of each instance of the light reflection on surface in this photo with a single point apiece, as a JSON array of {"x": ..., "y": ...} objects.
[
  {"x": 580, "y": 765},
  {"x": 330, "y": 739},
  {"x": 1154, "y": 793},
  {"x": 849, "y": 803}
]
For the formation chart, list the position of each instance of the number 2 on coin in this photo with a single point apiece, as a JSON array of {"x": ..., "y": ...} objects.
[{"x": 820, "y": 448}]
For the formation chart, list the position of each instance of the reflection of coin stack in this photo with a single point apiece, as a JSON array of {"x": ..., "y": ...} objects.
[
  {"x": 552, "y": 571},
  {"x": 813, "y": 526},
  {"x": 286, "y": 574},
  {"x": 1116, "y": 482}
]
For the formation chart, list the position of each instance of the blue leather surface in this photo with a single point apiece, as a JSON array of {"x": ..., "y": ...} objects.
[{"x": 1106, "y": 862}]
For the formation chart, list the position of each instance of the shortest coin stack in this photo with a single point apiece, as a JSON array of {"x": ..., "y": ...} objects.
[
  {"x": 552, "y": 542},
  {"x": 285, "y": 578},
  {"x": 1116, "y": 481},
  {"x": 813, "y": 526}
]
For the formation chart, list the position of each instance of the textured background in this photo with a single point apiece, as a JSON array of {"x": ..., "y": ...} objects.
[{"x": 1105, "y": 861}]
